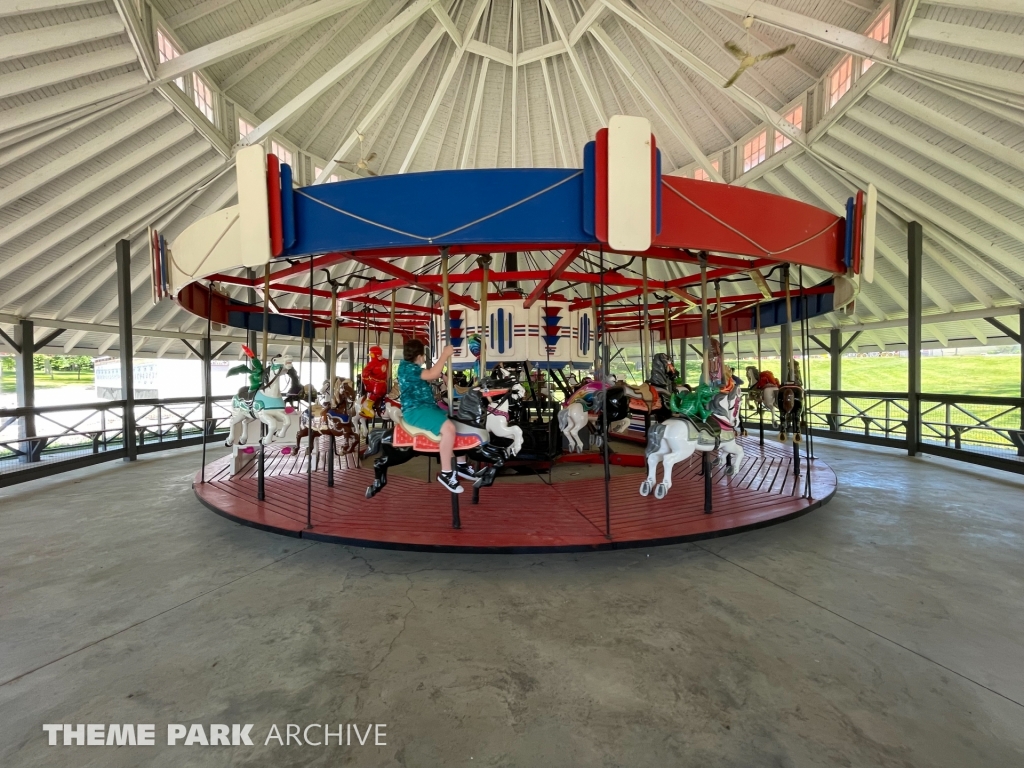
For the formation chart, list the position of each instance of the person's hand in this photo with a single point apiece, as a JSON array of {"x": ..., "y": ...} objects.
[{"x": 447, "y": 352}]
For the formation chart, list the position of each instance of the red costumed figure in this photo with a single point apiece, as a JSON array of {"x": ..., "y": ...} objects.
[{"x": 375, "y": 380}]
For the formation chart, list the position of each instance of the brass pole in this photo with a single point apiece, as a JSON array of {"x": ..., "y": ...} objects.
[
  {"x": 446, "y": 306},
  {"x": 391, "y": 337},
  {"x": 332, "y": 363},
  {"x": 266, "y": 311},
  {"x": 485, "y": 264},
  {"x": 645, "y": 329},
  {"x": 705, "y": 331}
]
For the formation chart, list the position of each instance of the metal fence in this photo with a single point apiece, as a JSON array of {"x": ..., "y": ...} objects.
[
  {"x": 33, "y": 440},
  {"x": 976, "y": 429}
]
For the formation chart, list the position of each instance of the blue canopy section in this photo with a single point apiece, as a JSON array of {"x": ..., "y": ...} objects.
[
  {"x": 774, "y": 312},
  {"x": 506, "y": 205},
  {"x": 253, "y": 321}
]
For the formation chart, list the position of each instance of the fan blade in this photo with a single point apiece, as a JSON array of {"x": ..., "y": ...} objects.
[
  {"x": 371, "y": 156},
  {"x": 777, "y": 52},
  {"x": 735, "y": 50},
  {"x": 735, "y": 76},
  {"x": 372, "y": 173}
]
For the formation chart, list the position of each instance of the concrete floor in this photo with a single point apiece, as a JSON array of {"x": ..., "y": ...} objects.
[{"x": 882, "y": 630}]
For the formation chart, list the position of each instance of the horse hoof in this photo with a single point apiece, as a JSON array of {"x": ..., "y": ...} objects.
[
  {"x": 796, "y": 438},
  {"x": 730, "y": 471},
  {"x": 645, "y": 488},
  {"x": 369, "y": 491},
  {"x": 660, "y": 491},
  {"x": 782, "y": 436}
]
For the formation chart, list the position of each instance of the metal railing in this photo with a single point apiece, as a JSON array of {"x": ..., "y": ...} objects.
[
  {"x": 974, "y": 428},
  {"x": 34, "y": 440}
]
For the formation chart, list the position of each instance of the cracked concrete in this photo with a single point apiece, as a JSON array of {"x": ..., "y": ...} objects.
[{"x": 881, "y": 630}]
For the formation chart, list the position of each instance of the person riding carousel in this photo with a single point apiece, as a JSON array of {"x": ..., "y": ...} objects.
[
  {"x": 374, "y": 379},
  {"x": 419, "y": 409}
]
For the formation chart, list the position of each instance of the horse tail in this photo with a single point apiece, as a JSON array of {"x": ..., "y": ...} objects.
[
  {"x": 563, "y": 418},
  {"x": 373, "y": 442}
]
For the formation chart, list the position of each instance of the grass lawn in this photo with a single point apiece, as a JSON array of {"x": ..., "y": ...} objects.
[
  {"x": 44, "y": 381},
  {"x": 961, "y": 375}
]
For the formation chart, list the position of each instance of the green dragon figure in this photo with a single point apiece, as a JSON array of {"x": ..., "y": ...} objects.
[
  {"x": 695, "y": 405},
  {"x": 254, "y": 369}
]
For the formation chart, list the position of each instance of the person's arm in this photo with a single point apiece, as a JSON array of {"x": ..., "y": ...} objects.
[{"x": 434, "y": 372}]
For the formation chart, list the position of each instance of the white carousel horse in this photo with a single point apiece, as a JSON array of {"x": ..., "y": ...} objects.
[
  {"x": 677, "y": 439},
  {"x": 574, "y": 415},
  {"x": 268, "y": 406},
  {"x": 766, "y": 397},
  {"x": 497, "y": 420}
]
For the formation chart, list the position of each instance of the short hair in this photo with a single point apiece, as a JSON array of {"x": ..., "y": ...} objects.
[{"x": 413, "y": 349}]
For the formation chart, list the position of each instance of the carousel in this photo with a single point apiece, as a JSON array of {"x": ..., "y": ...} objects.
[{"x": 556, "y": 448}]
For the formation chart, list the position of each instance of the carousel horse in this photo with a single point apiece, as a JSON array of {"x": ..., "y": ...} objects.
[
  {"x": 791, "y": 402},
  {"x": 472, "y": 435},
  {"x": 330, "y": 417},
  {"x": 584, "y": 408},
  {"x": 704, "y": 420},
  {"x": 763, "y": 392},
  {"x": 654, "y": 393},
  {"x": 263, "y": 402}
]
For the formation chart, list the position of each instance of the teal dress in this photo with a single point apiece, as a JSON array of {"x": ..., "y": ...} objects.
[{"x": 418, "y": 406}]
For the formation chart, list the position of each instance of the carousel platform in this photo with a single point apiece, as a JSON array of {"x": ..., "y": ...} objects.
[{"x": 511, "y": 516}]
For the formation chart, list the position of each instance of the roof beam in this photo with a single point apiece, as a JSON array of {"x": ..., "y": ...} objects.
[
  {"x": 490, "y": 52},
  {"x": 92, "y": 183},
  {"x": 822, "y": 32},
  {"x": 66, "y": 35},
  {"x": 267, "y": 53},
  {"x": 18, "y": 7},
  {"x": 106, "y": 206},
  {"x": 589, "y": 19},
  {"x": 953, "y": 128},
  {"x": 435, "y": 103},
  {"x": 697, "y": 65},
  {"x": 474, "y": 116},
  {"x": 308, "y": 55},
  {"x": 137, "y": 36},
  {"x": 55, "y": 72},
  {"x": 1011, "y": 7},
  {"x": 390, "y": 93},
  {"x": 196, "y": 13},
  {"x": 920, "y": 208},
  {"x": 947, "y": 68},
  {"x": 321, "y": 85},
  {"x": 449, "y": 25},
  {"x": 98, "y": 93},
  {"x": 968, "y": 170},
  {"x": 588, "y": 87},
  {"x": 929, "y": 182},
  {"x": 264, "y": 31},
  {"x": 114, "y": 230},
  {"x": 987, "y": 40},
  {"x": 83, "y": 153},
  {"x": 660, "y": 105}
]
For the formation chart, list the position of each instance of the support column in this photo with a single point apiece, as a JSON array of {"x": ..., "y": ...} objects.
[
  {"x": 915, "y": 237},
  {"x": 835, "y": 351},
  {"x": 787, "y": 332},
  {"x": 1020, "y": 332},
  {"x": 206, "y": 348},
  {"x": 123, "y": 257},
  {"x": 25, "y": 384},
  {"x": 352, "y": 361}
]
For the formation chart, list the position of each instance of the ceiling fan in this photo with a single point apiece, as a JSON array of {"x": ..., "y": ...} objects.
[
  {"x": 747, "y": 60},
  {"x": 364, "y": 160}
]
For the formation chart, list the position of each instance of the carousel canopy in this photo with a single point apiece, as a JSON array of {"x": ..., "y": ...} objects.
[{"x": 123, "y": 114}]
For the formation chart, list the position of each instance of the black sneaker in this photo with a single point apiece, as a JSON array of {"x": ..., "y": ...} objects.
[
  {"x": 466, "y": 470},
  {"x": 450, "y": 481}
]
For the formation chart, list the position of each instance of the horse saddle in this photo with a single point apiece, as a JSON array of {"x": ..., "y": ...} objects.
[
  {"x": 425, "y": 441},
  {"x": 707, "y": 433}
]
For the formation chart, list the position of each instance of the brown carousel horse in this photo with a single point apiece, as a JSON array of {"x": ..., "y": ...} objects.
[{"x": 331, "y": 417}]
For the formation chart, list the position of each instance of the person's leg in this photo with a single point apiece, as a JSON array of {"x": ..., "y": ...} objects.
[{"x": 447, "y": 445}]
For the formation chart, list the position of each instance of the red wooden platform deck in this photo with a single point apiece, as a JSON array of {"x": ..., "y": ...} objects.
[{"x": 411, "y": 513}]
